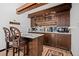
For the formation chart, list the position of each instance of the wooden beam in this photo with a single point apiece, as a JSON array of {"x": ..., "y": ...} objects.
[{"x": 28, "y": 6}]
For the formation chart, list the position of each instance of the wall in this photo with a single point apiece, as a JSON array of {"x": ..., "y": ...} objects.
[
  {"x": 7, "y": 13},
  {"x": 25, "y": 22},
  {"x": 74, "y": 22}
]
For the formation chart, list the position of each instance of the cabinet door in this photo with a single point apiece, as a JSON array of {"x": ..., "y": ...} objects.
[
  {"x": 53, "y": 40},
  {"x": 36, "y": 47},
  {"x": 59, "y": 40},
  {"x": 40, "y": 45},
  {"x": 30, "y": 47},
  {"x": 46, "y": 39},
  {"x": 50, "y": 39},
  {"x": 33, "y": 22},
  {"x": 63, "y": 18},
  {"x": 67, "y": 18},
  {"x": 64, "y": 41}
]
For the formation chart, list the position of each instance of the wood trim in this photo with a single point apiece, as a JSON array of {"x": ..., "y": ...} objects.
[{"x": 28, "y": 6}]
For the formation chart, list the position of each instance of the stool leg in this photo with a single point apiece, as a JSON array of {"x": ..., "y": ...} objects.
[
  {"x": 24, "y": 51},
  {"x": 13, "y": 51},
  {"x": 18, "y": 52},
  {"x": 7, "y": 47},
  {"x": 6, "y": 52}
]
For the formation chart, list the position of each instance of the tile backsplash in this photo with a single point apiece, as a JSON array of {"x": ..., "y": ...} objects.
[{"x": 50, "y": 29}]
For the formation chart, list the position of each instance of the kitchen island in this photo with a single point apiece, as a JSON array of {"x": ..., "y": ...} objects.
[
  {"x": 56, "y": 39},
  {"x": 34, "y": 44}
]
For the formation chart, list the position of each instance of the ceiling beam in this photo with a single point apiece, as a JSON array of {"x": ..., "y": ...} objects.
[{"x": 28, "y": 6}]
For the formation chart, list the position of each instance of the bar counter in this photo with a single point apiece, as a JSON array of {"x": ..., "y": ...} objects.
[{"x": 34, "y": 44}]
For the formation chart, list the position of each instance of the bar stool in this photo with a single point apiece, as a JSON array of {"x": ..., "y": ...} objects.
[
  {"x": 7, "y": 39},
  {"x": 18, "y": 43}
]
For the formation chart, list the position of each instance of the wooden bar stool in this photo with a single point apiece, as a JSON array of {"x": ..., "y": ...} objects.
[
  {"x": 7, "y": 39},
  {"x": 18, "y": 43}
]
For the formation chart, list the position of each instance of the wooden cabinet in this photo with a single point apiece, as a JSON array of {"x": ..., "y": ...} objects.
[
  {"x": 58, "y": 19},
  {"x": 63, "y": 41},
  {"x": 55, "y": 16},
  {"x": 58, "y": 40},
  {"x": 35, "y": 47},
  {"x": 33, "y": 22},
  {"x": 49, "y": 39},
  {"x": 63, "y": 18}
]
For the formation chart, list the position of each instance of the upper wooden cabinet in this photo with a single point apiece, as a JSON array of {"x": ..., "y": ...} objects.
[
  {"x": 28, "y": 6},
  {"x": 55, "y": 16}
]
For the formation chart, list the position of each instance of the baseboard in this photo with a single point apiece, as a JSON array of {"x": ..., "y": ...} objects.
[
  {"x": 71, "y": 53},
  {"x": 2, "y": 50}
]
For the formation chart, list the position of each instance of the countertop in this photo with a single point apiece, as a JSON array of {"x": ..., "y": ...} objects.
[
  {"x": 31, "y": 35},
  {"x": 50, "y": 32}
]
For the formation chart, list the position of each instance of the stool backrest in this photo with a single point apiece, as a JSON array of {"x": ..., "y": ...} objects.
[
  {"x": 16, "y": 35},
  {"x": 7, "y": 34}
]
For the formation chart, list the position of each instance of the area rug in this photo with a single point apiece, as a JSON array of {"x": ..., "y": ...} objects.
[{"x": 53, "y": 51}]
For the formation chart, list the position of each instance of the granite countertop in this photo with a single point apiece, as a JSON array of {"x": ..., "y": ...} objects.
[
  {"x": 31, "y": 35},
  {"x": 50, "y": 32}
]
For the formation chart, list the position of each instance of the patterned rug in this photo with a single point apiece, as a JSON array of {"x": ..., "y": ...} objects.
[{"x": 52, "y": 51}]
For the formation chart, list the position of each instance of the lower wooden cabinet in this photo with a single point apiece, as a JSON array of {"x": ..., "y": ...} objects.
[
  {"x": 35, "y": 47},
  {"x": 49, "y": 39},
  {"x": 63, "y": 41},
  {"x": 58, "y": 40}
]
